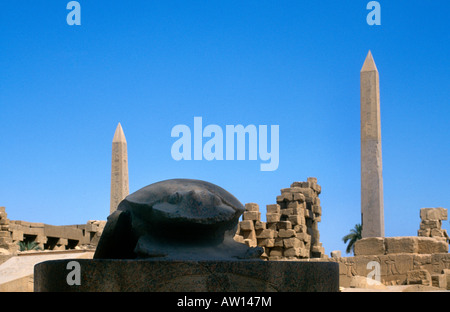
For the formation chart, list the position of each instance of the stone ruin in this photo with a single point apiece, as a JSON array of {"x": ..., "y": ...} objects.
[
  {"x": 291, "y": 228},
  {"x": 431, "y": 223},
  {"x": 6, "y": 243},
  {"x": 404, "y": 260},
  {"x": 47, "y": 237}
]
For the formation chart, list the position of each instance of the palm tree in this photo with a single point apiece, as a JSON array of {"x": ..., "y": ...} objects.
[
  {"x": 29, "y": 245},
  {"x": 352, "y": 237}
]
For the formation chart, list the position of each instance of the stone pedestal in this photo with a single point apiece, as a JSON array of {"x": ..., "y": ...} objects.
[{"x": 186, "y": 276}]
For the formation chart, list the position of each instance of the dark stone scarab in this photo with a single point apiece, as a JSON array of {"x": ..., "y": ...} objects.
[{"x": 177, "y": 219}]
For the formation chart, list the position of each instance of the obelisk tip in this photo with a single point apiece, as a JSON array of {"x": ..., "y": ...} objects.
[
  {"x": 119, "y": 136},
  {"x": 369, "y": 63}
]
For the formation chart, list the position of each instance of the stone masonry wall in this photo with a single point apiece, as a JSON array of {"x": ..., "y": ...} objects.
[
  {"x": 291, "y": 228},
  {"x": 48, "y": 237},
  {"x": 431, "y": 223},
  {"x": 6, "y": 244}
]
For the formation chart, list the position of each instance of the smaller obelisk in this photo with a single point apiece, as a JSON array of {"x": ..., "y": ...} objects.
[
  {"x": 119, "y": 169},
  {"x": 372, "y": 207}
]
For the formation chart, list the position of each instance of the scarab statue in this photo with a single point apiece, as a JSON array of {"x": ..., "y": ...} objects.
[{"x": 178, "y": 219}]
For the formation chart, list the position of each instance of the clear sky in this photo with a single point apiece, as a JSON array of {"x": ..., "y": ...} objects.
[{"x": 152, "y": 65}]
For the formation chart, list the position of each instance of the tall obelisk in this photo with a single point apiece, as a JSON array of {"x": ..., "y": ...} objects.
[
  {"x": 119, "y": 169},
  {"x": 372, "y": 208}
]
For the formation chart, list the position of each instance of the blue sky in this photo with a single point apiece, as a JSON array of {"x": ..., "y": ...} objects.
[{"x": 152, "y": 65}]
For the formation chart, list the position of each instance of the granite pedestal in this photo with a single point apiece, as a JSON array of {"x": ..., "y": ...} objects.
[{"x": 104, "y": 275}]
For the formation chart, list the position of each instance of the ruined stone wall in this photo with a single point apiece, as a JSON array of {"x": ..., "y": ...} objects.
[
  {"x": 431, "y": 223},
  {"x": 291, "y": 228},
  {"x": 398, "y": 269},
  {"x": 48, "y": 237},
  {"x": 402, "y": 260},
  {"x": 6, "y": 243}
]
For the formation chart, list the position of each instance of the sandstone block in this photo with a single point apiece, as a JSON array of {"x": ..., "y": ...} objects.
[
  {"x": 295, "y": 204},
  {"x": 430, "y": 224},
  {"x": 424, "y": 233},
  {"x": 301, "y": 184},
  {"x": 437, "y": 233},
  {"x": 276, "y": 252},
  {"x": 291, "y": 252},
  {"x": 433, "y": 213},
  {"x": 292, "y": 242},
  {"x": 259, "y": 225},
  {"x": 300, "y": 228},
  {"x": 273, "y": 217},
  {"x": 309, "y": 214},
  {"x": 365, "y": 283},
  {"x": 293, "y": 211},
  {"x": 439, "y": 280},
  {"x": 251, "y": 215},
  {"x": 273, "y": 208},
  {"x": 299, "y": 197},
  {"x": 429, "y": 245},
  {"x": 335, "y": 254},
  {"x": 286, "y": 233},
  {"x": 304, "y": 237},
  {"x": 420, "y": 277},
  {"x": 446, "y": 273},
  {"x": 296, "y": 219},
  {"x": 265, "y": 234},
  {"x": 284, "y": 225},
  {"x": 370, "y": 246},
  {"x": 252, "y": 207},
  {"x": 248, "y": 235},
  {"x": 246, "y": 225},
  {"x": 17, "y": 235},
  {"x": 405, "y": 244},
  {"x": 272, "y": 226},
  {"x": 36, "y": 225},
  {"x": 317, "y": 209},
  {"x": 266, "y": 242},
  {"x": 278, "y": 242},
  {"x": 287, "y": 196}
]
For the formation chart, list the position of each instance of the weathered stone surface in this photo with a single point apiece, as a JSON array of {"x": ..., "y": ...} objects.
[
  {"x": 259, "y": 225},
  {"x": 405, "y": 244},
  {"x": 429, "y": 245},
  {"x": 178, "y": 219},
  {"x": 439, "y": 280},
  {"x": 336, "y": 254},
  {"x": 275, "y": 208},
  {"x": 189, "y": 276},
  {"x": 266, "y": 242},
  {"x": 247, "y": 225},
  {"x": 286, "y": 233},
  {"x": 265, "y": 234},
  {"x": 284, "y": 225},
  {"x": 273, "y": 217},
  {"x": 421, "y": 277},
  {"x": 370, "y": 246},
  {"x": 433, "y": 213},
  {"x": 251, "y": 207},
  {"x": 252, "y": 215},
  {"x": 366, "y": 283},
  {"x": 446, "y": 273}
]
